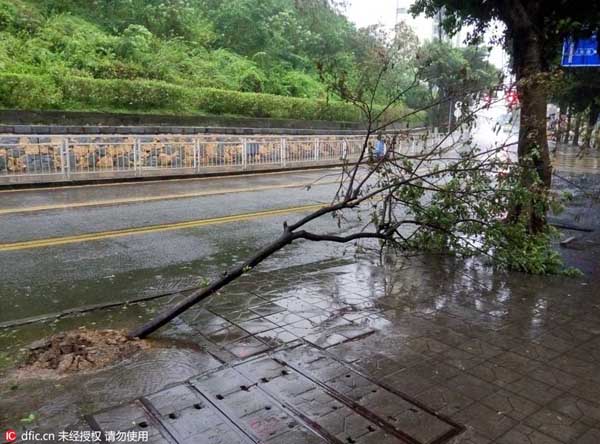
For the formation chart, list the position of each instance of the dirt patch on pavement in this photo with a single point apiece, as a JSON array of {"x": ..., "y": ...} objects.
[{"x": 78, "y": 351}]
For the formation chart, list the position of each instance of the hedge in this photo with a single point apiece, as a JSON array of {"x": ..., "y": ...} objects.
[
  {"x": 124, "y": 94},
  {"x": 21, "y": 91}
]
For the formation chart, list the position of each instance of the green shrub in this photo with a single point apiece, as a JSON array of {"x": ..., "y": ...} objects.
[
  {"x": 83, "y": 47},
  {"x": 18, "y": 16},
  {"x": 124, "y": 94},
  {"x": 300, "y": 84},
  {"x": 135, "y": 42},
  {"x": 28, "y": 92},
  {"x": 23, "y": 91},
  {"x": 158, "y": 55},
  {"x": 217, "y": 101}
]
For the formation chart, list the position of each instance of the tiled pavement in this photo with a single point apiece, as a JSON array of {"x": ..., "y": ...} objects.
[{"x": 410, "y": 352}]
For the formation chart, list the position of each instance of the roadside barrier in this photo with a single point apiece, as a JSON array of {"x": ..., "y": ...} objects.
[{"x": 40, "y": 158}]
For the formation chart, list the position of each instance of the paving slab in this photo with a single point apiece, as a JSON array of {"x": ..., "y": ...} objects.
[{"x": 300, "y": 393}]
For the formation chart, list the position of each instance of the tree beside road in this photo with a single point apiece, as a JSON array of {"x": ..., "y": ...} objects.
[{"x": 534, "y": 33}]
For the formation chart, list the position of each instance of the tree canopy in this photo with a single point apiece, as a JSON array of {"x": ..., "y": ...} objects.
[
  {"x": 552, "y": 20},
  {"x": 455, "y": 74}
]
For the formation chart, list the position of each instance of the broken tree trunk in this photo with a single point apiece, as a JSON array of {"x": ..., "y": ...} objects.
[
  {"x": 285, "y": 239},
  {"x": 289, "y": 235}
]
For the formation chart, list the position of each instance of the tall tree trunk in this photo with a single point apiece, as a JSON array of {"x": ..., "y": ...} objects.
[
  {"x": 533, "y": 137},
  {"x": 569, "y": 121},
  {"x": 592, "y": 119},
  {"x": 534, "y": 156},
  {"x": 577, "y": 130},
  {"x": 558, "y": 134}
]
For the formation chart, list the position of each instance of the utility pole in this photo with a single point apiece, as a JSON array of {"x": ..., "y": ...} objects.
[
  {"x": 440, "y": 18},
  {"x": 400, "y": 13}
]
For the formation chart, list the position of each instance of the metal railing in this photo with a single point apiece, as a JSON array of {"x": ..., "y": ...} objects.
[{"x": 85, "y": 156}]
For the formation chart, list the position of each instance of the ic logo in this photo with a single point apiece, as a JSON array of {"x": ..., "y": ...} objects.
[{"x": 10, "y": 436}]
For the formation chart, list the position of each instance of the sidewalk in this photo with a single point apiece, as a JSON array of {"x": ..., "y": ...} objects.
[
  {"x": 575, "y": 159},
  {"x": 420, "y": 350}
]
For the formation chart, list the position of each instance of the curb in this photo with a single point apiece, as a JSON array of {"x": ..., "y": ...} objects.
[{"x": 142, "y": 179}]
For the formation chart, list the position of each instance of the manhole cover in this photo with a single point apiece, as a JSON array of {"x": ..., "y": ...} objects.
[{"x": 299, "y": 395}]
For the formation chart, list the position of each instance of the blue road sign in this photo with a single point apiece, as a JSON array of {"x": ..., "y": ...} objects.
[{"x": 581, "y": 52}]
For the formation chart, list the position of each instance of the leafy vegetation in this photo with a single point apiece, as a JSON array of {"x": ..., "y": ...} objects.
[
  {"x": 452, "y": 73},
  {"x": 171, "y": 55},
  {"x": 469, "y": 213},
  {"x": 85, "y": 94},
  {"x": 533, "y": 34},
  {"x": 579, "y": 91},
  {"x": 259, "y": 58}
]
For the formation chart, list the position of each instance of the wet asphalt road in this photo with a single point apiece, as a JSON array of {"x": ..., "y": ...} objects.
[
  {"x": 49, "y": 277},
  {"x": 46, "y": 270}
]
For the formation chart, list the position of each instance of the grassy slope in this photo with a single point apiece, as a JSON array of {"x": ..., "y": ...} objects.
[{"x": 71, "y": 60}]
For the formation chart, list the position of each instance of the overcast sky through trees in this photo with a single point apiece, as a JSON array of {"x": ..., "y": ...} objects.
[{"x": 368, "y": 12}]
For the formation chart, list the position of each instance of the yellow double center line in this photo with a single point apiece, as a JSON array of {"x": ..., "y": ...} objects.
[
  {"x": 134, "y": 200},
  {"x": 153, "y": 229},
  {"x": 52, "y": 242}
]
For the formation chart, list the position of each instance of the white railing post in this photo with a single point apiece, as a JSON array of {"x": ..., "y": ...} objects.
[
  {"x": 316, "y": 149},
  {"x": 68, "y": 157},
  {"x": 344, "y": 150},
  {"x": 137, "y": 156},
  {"x": 244, "y": 154},
  {"x": 196, "y": 163},
  {"x": 65, "y": 159},
  {"x": 283, "y": 151}
]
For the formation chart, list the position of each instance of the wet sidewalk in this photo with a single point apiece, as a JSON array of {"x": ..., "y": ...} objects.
[
  {"x": 575, "y": 159},
  {"x": 420, "y": 351},
  {"x": 415, "y": 350}
]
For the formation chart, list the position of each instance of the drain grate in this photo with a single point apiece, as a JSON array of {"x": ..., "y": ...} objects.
[{"x": 298, "y": 395}]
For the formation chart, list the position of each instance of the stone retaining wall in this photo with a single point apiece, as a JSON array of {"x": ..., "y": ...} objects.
[{"x": 71, "y": 122}]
